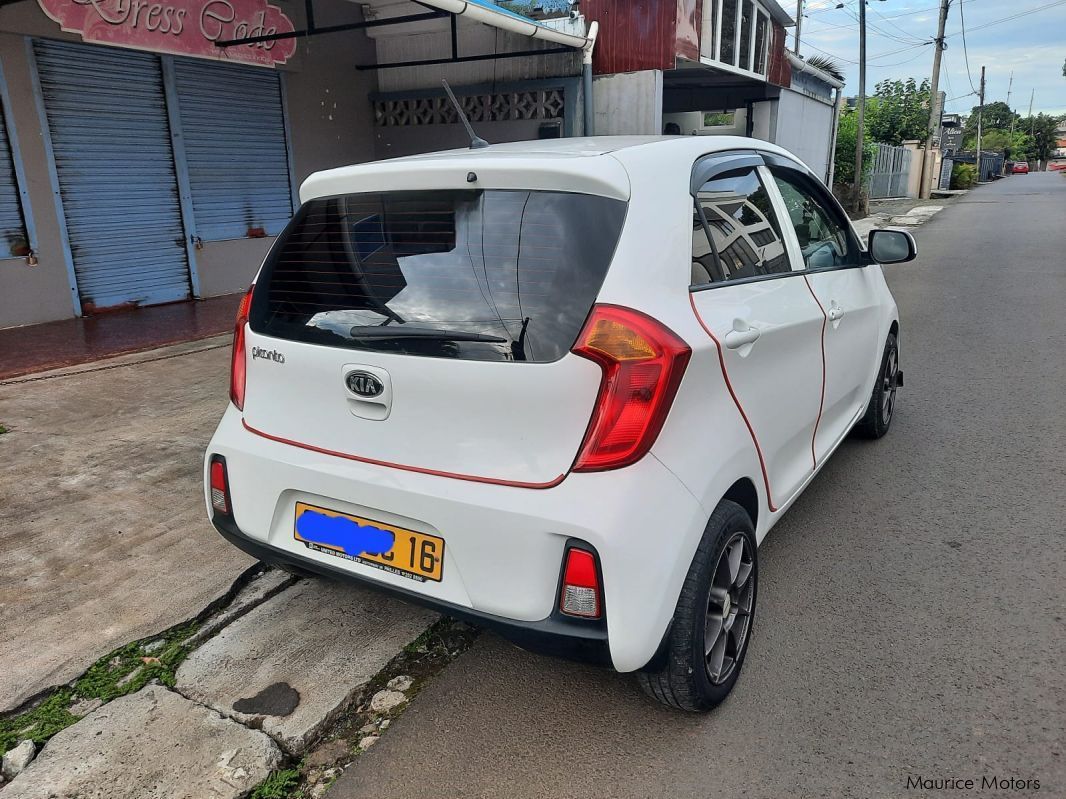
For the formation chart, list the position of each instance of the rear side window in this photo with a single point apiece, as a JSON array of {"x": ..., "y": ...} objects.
[
  {"x": 476, "y": 274},
  {"x": 735, "y": 233}
]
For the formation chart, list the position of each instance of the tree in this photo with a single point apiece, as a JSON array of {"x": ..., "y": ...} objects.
[
  {"x": 1045, "y": 139},
  {"x": 831, "y": 67},
  {"x": 995, "y": 116},
  {"x": 898, "y": 111},
  {"x": 1018, "y": 147},
  {"x": 844, "y": 157}
]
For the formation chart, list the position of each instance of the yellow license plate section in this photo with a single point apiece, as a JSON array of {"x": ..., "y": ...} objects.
[{"x": 411, "y": 554}]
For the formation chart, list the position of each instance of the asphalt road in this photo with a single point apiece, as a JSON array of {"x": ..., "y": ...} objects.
[{"x": 911, "y": 610}]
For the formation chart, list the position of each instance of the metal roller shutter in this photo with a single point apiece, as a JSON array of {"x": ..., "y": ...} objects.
[
  {"x": 233, "y": 127},
  {"x": 111, "y": 138},
  {"x": 12, "y": 224}
]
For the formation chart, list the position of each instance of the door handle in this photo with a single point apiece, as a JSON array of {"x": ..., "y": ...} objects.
[
  {"x": 835, "y": 313},
  {"x": 735, "y": 339}
]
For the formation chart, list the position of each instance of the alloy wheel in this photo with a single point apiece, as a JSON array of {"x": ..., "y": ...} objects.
[
  {"x": 888, "y": 386},
  {"x": 728, "y": 621}
]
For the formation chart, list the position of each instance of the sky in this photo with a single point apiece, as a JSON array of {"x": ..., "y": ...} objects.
[{"x": 1032, "y": 45}]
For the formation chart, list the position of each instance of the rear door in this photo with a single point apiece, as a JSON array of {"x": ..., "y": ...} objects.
[
  {"x": 763, "y": 318},
  {"x": 432, "y": 329},
  {"x": 848, "y": 293}
]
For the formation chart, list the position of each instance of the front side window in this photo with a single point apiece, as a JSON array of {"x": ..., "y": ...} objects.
[
  {"x": 823, "y": 236},
  {"x": 735, "y": 233}
]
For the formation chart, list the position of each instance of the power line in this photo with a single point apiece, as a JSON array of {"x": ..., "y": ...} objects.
[
  {"x": 894, "y": 25},
  {"x": 1025, "y": 13},
  {"x": 965, "y": 51},
  {"x": 874, "y": 57}
]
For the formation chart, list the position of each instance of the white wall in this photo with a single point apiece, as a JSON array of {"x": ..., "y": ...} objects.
[
  {"x": 804, "y": 127},
  {"x": 628, "y": 103}
]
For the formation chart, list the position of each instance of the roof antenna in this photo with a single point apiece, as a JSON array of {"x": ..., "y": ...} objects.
[{"x": 476, "y": 142}]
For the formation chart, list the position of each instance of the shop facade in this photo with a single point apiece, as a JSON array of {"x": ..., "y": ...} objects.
[
  {"x": 152, "y": 149},
  {"x": 135, "y": 171}
]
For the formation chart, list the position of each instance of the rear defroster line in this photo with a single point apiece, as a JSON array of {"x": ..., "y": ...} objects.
[
  {"x": 416, "y": 469},
  {"x": 736, "y": 401}
]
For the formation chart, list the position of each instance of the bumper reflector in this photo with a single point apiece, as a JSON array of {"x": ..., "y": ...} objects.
[
  {"x": 219, "y": 494},
  {"x": 580, "y": 593}
]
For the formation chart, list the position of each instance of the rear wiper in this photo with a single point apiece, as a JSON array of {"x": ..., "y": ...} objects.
[{"x": 379, "y": 332}]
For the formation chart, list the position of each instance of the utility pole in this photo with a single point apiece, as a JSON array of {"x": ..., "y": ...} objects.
[
  {"x": 799, "y": 25},
  {"x": 934, "y": 111},
  {"x": 1010, "y": 141},
  {"x": 980, "y": 117},
  {"x": 860, "y": 127}
]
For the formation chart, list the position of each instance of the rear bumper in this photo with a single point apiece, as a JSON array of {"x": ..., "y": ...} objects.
[
  {"x": 556, "y": 635},
  {"x": 504, "y": 545}
]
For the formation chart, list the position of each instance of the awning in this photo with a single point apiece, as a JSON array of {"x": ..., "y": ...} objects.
[
  {"x": 485, "y": 12},
  {"x": 488, "y": 13}
]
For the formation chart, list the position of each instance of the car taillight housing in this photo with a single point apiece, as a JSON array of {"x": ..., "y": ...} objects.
[
  {"x": 579, "y": 594},
  {"x": 643, "y": 363},
  {"x": 238, "y": 373},
  {"x": 219, "y": 485}
]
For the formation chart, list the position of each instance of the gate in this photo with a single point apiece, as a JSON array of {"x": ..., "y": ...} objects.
[{"x": 890, "y": 172}]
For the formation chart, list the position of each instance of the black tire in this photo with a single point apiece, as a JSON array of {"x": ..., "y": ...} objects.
[
  {"x": 685, "y": 679},
  {"x": 881, "y": 410}
]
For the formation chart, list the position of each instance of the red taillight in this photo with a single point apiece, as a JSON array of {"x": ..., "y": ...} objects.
[
  {"x": 580, "y": 591},
  {"x": 219, "y": 489},
  {"x": 238, "y": 373},
  {"x": 643, "y": 363}
]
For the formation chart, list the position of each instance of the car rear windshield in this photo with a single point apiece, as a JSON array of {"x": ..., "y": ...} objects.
[{"x": 475, "y": 274}]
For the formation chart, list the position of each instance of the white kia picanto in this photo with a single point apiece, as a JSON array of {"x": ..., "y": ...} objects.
[{"x": 561, "y": 389}]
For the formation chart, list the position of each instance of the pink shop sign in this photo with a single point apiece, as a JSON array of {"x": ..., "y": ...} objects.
[{"x": 180, "y": 27}]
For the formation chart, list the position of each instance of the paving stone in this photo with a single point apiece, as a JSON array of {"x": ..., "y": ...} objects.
[
  {"x": 401, "y": 683},
  {"x": 254, "y": 593},
  {"x": 926, "y": 210},
  {"x": 17, "y": 758},
  {"x": 906, "y": 219},
  {"x": 83, "y": 707},
  {"x": 153, "y": 744},
  {"x": 385, "y": 701},
  {"x": 321, "y": 639}
]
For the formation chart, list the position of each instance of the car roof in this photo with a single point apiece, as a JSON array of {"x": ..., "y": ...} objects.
[
  {"x": 593, "y": 146},
  {"x": 594, "y": 165}
]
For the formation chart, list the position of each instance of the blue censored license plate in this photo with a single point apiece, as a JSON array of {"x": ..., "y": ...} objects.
[{"x": 384, "y": 546}]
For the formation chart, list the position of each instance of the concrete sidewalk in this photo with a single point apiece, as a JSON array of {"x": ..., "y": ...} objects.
[
  {"x": 104, "y": 538},
  {"x": 902, "y": 212},
  {"x": 107, "y": 655}
]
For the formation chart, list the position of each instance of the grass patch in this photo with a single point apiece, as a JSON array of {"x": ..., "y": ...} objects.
[
  {"x": 39, "y": 724},
  {"x": 279, "y": 785},
  {"x": 123, "y": 671},
  {"x": 2, "y": 429}
]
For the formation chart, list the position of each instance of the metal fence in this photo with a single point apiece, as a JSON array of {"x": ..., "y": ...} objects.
[{"x": 890, "y": 172}]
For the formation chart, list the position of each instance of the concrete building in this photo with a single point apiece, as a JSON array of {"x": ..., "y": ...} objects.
[{"x": 152, "y": 149}]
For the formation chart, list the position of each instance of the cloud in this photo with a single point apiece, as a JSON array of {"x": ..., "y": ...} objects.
[{"x": 1031, "y": 46}]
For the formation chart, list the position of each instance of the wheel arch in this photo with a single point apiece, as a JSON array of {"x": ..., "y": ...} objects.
[{"x": 744, "y": 493}]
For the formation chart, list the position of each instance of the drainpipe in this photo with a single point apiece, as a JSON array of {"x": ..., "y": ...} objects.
[
  {"x": 586, "y": 79},
  {"x": 833, "y": 139}
]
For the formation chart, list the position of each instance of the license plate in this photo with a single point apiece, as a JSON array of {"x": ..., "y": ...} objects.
[{"x": 397, "y": 550}]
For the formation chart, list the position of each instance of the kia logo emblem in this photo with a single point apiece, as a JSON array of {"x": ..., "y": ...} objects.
[{"x": 364, "y": 384}]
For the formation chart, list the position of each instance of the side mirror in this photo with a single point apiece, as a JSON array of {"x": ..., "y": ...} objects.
[{"x": 891, "y": 246}]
